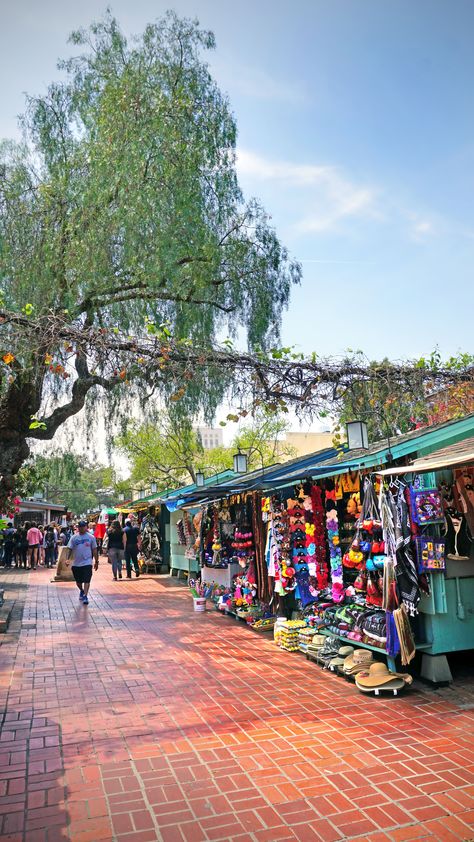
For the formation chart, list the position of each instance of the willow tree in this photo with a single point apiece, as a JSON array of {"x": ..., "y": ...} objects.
[{"x": 121, "y": 212}]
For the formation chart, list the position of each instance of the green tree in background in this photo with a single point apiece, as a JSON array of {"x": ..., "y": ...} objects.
[
  {"x": 120, "y": 209},
  {"x": 68, "y": 480},
  {"x": 390, "y": 407},
  {"x": 170, "y": 452}
]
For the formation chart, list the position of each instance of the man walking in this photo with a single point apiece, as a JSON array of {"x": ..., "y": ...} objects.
[
  {"x": 83, "y": 548},
  {"x": 132, "y": 535}
]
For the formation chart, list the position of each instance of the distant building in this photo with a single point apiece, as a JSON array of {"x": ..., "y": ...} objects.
[
  {"x": 210, "y": 437},
  {"x": 40, "y": 511},
  {"x": 304, "y": 443}
]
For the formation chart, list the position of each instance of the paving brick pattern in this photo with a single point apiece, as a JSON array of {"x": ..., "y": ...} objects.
[{"x": 135, "y": 720}]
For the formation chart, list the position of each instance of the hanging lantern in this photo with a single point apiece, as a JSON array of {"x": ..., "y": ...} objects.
[
  {"x": 240, "y": 462},
  {"x": 357, "y": 437},
  {"x": 199, "y": 479}
]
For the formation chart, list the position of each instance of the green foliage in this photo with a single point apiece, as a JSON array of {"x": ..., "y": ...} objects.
[
  {"x": 393, "y": 405},
  {"x": 122, "y": 209},
  {"x": 380, "y": 404},
  {"x": 164, "y": 452},
  {"x": 69, "y": 480},
  {"x": 170, "y": 452},
  {"x": 263, "y": 441}
]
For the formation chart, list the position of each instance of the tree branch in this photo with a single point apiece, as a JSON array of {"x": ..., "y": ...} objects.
[
  {"x": 139, "y": 290},
  {"x": 84, "y": 383}
]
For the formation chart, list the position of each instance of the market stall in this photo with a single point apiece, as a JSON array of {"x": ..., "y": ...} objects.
[
  {"x": 444, "y": 540},
  {"x": 350, "y": 549}
]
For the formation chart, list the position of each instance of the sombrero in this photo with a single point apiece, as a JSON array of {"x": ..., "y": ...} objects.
[
  {"x": 380, "y": 676},
  {"x": 394, "y": 684},
  {"x": 359, "y": 661},
  {"x": 317, "y": 641}
]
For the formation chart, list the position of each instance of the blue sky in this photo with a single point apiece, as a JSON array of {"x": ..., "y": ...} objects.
[{"x": 356, "y": 129}]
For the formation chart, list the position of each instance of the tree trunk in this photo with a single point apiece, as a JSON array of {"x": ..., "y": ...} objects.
[
  {"x": 21, "y": 402},
  {"x": 14, "y": 451}
]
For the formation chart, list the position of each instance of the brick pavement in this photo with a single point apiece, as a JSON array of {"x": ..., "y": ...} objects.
[{"x": 135, "y": 720}]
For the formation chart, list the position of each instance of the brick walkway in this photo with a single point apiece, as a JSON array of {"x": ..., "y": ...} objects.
[{"x": 135, "y": 720}]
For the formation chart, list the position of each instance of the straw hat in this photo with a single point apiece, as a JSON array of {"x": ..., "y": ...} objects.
[
  {"x": 317, "y": 641},
  {"x": 379, "y": 676},
  {"x": 360, "y": 660},
  {"x": 394, "y": 684},
  {"x": 344, "y": 652}
]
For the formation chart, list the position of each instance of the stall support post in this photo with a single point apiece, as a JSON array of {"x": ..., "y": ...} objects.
[{"x": 435, "y": 668}]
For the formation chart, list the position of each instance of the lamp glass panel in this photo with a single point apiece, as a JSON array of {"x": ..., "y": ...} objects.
[
  {"x": 357, "y": 435},
  {"x": 240, "y": 463}
]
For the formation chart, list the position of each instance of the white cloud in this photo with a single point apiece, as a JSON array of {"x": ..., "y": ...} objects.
[
  {"x": 329, "y": 195},
  {"x": 420, "y": 228}
]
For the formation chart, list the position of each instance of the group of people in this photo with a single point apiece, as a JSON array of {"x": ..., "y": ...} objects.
[{"x": 32, "y": 544}]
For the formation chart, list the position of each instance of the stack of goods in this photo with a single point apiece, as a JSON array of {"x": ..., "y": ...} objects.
[
  {"x": 289, "y": 634},
  {"x": 316, "y": 618},
  {"x": 328, "y": 651},
  {"x": 305, "y": 637},
  {"x": 280, "y": 622},
  {"x": 358, "y": 662},
  {"x": 378, "y": 677},
  {"x": 357, "y": 623},
  {"x": 313, "y": 648},
  {"x": 336, "y": 664},
  {"x": 264, "y": 624},
  {"x": 374, "y": 629}
]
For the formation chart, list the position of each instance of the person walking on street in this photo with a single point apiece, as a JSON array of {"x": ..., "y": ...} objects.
[
  {"x": 83, "y": 548},
  {"x": 9, "y": 544},
  {"x": 132, "y": 538},
  {"x": 116, "y": 546},
  {"x": 35, "y": 539}
]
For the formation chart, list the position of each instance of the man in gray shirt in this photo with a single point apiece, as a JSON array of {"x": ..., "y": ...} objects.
[{"x": 83, "y": 548}]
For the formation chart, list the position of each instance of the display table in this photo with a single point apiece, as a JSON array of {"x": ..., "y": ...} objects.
[{"x": 220, "y": 575}]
